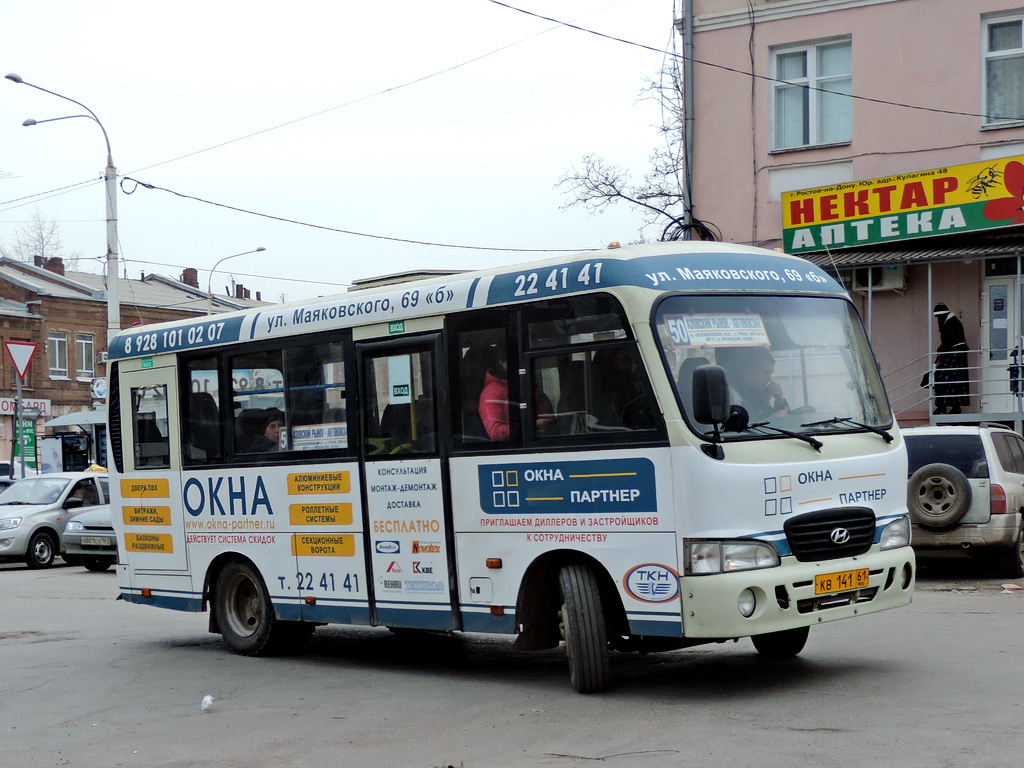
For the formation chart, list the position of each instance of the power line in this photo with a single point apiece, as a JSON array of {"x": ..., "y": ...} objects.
[
  {"x": 344, "y": 231},
  {"x": 754, "y": 75},
  {"x": 243, "y": 274}
]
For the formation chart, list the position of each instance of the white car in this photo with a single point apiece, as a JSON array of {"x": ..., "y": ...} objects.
[
  {"x": 35, "y": 511},
  {"x": 966, "y": 493}
]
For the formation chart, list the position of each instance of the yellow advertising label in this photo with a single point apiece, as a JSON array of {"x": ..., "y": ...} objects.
[
  {"x": 899, "y": 193},
  {"x": 319, "y": 482},
  {"x": 320, "y": 514},
  {"x": 146, "y": 515},
  {"x": 143, "y": 488},
  {"x": 160, "y": 543},
  {"x": 323, "y": 545}
]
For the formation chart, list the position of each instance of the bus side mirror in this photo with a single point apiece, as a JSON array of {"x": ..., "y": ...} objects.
[{"x": 710, "y": 395}]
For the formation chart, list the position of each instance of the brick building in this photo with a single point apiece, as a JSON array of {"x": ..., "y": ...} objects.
[{"x": 65, "y": 315}]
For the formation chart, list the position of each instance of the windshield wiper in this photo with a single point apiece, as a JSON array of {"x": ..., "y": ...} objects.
[
  {"x": 887, "y": 436},
  {"x": 816, "y": 444}
]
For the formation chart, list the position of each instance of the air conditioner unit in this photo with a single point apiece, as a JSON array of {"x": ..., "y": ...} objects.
[
  {"x": 888, "y": 278},
  {"x": 101, "y": 357}
]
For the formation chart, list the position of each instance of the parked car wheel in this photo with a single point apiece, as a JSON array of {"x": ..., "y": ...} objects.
[
  {"x": 938, "y": 495},
  {"x": 96, "y": 563},
  {"x": 41, "y": 550}
]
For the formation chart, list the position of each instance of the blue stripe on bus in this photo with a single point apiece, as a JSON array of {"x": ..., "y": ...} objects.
[
  {"x": 477, "y": 618},
  {"x": 439, "y": 618},
  {"x": 176, "y": 601},
  {"x": 712, "y": 270},
  {"x": 673, "y": 628},
  {"x": 472, "y": 291}
]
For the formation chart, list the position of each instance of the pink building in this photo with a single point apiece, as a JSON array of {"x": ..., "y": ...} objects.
[{"x": 868, "y": 136}]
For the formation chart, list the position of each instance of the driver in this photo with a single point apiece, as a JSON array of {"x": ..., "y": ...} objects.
[{"x": 750, "y": 371}]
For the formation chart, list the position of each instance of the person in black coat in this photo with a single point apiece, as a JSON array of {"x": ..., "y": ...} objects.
[{"x": 951, "y": 386}]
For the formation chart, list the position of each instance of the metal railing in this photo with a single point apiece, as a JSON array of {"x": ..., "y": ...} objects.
[{"x": 996, "y": 392}]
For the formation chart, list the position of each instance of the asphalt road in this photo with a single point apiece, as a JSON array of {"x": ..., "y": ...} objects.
[{"x": 87, "y": 681}]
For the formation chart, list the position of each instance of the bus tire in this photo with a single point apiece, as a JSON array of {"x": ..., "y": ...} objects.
[
  {"x": 245, "y": 614},
  {"x": 41, "y": 550},
  {"x": 781, "y": 645},
  {"x": 583, "y": 629},
  {"x": 97, "y": 563}
]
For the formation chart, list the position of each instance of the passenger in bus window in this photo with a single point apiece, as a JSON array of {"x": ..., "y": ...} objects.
[
  {"x": 494, "y": 402},
  {"x": 494, "y": 398},
  {"x": 270, "y": 438},
  {"x": 749, "y": 371}
]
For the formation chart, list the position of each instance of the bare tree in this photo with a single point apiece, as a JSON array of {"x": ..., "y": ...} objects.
[
  {"x": 36, "y": 241},
  {"x": 661, "y": 197}
]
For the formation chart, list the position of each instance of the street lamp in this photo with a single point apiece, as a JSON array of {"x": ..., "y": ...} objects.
[
  {"x": 110, "y": 177},
  {"x": 209, "y": 282}
]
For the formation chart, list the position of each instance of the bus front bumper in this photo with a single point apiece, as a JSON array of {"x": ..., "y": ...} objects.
[{"x": 792, "y": 595}]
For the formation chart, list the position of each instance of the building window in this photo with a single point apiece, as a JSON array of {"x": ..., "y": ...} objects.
[
  {"x": 57, "y": 350},
  {"x": 85, "y": 355},
  {"x": 1003, "y": 47},
  {"x": 810, "y": 100}
]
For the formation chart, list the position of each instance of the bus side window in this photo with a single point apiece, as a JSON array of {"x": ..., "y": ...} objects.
[
  {"x": 398, "y": 404},
  {"x": 316, "y": 397},
  {"x": 257, "y": 393},
  {"x": 484, "y": 381},
  {"x": 149, "y": 419},
  {"x": 200, "y": 412}
]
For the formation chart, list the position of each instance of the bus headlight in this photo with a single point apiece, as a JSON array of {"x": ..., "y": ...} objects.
[
  {"x": 895, "y": 534},
  {"x": 704, "y": 556}
]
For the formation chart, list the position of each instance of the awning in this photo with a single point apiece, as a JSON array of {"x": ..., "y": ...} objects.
[{"x": 79, "y": 419}]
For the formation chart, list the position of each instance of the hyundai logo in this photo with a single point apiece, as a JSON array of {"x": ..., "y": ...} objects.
[{"x": 839, "y": 535}]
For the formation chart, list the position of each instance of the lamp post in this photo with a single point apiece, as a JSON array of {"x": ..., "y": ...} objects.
[
  {"x": 110, "y": 179},
  {"x": 209, "y": 282}
]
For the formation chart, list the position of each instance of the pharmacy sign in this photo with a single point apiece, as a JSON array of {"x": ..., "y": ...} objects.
[{"x": 941, "y": 201}]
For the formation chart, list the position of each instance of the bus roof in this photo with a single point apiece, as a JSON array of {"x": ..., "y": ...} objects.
[{"x": 687, "y": 266}]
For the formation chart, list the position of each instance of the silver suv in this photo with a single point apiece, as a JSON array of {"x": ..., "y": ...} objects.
[
  {"x": 966, "y": 493},
  {"x": 34, "y": 512}
]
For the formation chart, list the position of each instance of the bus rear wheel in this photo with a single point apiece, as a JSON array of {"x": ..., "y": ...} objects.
[
  {"x": 246, "y": 617},
  {"x": 583, "y": 629}
]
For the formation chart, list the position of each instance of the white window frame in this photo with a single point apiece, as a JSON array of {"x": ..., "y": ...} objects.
[
  {"x": 85, "y": 355},
  {"x": 814, "y": 81},
  {"x": 990, "y": 119},
  {"x": 57, "y": 353}
]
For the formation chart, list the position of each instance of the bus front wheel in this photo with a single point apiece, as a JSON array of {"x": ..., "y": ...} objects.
[
  {"x": 581, "y": 622},
  {"x": 245, "y": 614},
  {"x": 781, "y": 645}
]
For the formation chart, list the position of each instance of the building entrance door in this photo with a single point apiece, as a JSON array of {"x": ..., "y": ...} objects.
[{"x": 1002, "y": 345}]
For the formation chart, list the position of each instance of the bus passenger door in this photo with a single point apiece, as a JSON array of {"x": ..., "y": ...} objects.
[
  {"x": 408, "y": 514},
  {"x": 146, "y": 501}
]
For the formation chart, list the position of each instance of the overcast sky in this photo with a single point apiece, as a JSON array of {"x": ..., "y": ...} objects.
[{"x": 311, "y": 111}]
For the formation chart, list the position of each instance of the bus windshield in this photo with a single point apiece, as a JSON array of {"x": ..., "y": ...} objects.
[{"x": 796, "y": 363}]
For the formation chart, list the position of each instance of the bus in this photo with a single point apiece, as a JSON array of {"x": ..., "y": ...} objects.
[{"x": 568, "y": 451}]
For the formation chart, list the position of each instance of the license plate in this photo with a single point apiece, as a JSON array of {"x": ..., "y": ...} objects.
[
  {"x": 840, "y": 582},
  {"x": 96, "y": 541}
]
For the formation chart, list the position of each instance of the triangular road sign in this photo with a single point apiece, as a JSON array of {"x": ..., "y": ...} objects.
[{"x": 21, "y": 353}]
